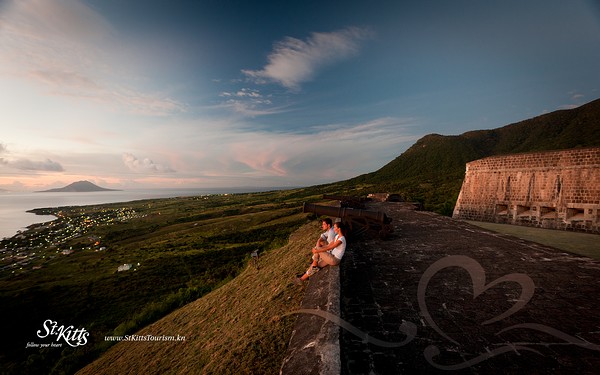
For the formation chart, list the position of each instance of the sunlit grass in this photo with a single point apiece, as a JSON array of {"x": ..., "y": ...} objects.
[{"x": 243, "y": 327}]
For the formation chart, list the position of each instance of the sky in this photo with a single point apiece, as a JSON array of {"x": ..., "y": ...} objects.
[{"x": 206, "y": 94}]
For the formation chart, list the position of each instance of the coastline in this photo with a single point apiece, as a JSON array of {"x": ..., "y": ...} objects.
[
  {"x": 22, "y": 210},
  {"x": 16, "y": 215},
  {"x": 19, "y": 222}
]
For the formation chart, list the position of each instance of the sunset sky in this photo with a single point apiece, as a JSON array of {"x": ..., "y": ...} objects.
[{"x": 158, "y": 94}]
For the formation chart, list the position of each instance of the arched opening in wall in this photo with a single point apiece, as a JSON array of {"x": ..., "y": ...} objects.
[
  {"x": 501, "y": 209},
  {"x": 548, "y": 212},
  {"x": 575, "y": 213},
  {"x": 523, "y": 211}
]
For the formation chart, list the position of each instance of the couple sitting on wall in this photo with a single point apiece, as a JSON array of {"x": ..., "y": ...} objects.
[{"x": 329, "y": 249}]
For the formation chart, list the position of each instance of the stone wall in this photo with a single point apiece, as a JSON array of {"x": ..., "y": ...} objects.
[
  {"x": 314, "y": 348},
  {"x": 556, "y": 189}
]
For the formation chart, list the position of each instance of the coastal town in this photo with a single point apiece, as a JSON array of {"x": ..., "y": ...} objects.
[{"x": 70, "y": 232}]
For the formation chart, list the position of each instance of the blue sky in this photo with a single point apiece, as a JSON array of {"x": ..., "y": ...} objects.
[{"x": 154, "y": 94}]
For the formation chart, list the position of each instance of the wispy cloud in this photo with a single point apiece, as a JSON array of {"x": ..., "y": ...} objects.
[
  {"x": 330, "y": 153},
  {"x": 243, "y": 93},
  {"x": 68, "y": 49},
  {"x": 144, "y": 165},
  {"x": 250, "y": 103},
  {"x": 294, "y": 61},
  {"x": 576, "y": 98},
  {"x": 33, "y": 165},
  {"x": 215, "y": 153},
  {"x": 26, "y": 164}
]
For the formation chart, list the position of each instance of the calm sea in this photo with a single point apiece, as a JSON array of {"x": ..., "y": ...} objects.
[{"x": 13, "y": 206}]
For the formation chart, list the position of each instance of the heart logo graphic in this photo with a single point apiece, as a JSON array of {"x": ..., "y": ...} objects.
[{"x": 477, "y": 274}]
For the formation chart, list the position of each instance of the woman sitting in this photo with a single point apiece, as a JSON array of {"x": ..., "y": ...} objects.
[{"x": 330, "y": 255}]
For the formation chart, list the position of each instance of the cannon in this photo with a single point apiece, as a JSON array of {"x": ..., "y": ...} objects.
[
  {"x": 348, "y": 201},
  {"x": 357, "y": 221}
]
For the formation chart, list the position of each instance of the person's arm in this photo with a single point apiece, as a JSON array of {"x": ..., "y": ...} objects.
[
  {"x": 322, "y": 240},
  {"x": 330, "y": 246}
]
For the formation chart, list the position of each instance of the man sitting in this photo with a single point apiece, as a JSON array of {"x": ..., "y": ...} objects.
[
  {"x": 329, "y": 255},
  {"x": 328, "y": 236}
]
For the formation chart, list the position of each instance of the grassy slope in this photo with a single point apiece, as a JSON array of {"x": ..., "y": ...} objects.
[
  {"x": 185, "y": 247},
  {"x": 239, "y": 328}
]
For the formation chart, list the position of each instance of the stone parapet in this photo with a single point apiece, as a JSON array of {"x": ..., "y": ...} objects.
[{"x": 314, "y": 347}]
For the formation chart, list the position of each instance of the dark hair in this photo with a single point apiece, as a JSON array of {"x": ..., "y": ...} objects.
[
  {"x": 342, "y": 227},
  {"x": 328, "y": 221}
]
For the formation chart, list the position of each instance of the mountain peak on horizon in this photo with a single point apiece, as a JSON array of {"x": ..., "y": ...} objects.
[{"x": 78, "y": 187}]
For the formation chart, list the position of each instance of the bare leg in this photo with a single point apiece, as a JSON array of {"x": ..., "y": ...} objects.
[
  {"x": 321, "y": 260},
  {"x": 314, "y": 263}
]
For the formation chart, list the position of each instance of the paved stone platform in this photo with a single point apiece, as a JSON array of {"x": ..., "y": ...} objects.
[{"x": 445, "y": 296}]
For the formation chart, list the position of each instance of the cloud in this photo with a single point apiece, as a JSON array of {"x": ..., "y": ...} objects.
[
  {"x": 294, "y": 61},
  {"x": 27, "y": 164},
  {"x": 226, "y": 154},
  {"x": 32, "y": 165},
  {"x": 577, "y": 99},
  {"x": 58, "y": 78},
  {"x": 68, "y": 49},
  {"x": 249, "y": 102},
  {"x": 144, "y": 165},
  {"x": 217, "y": 153},
  {"x": 243, "y": 93},
  {"x": 331, "y": 152},
  {"x": 54, "y": 19}
]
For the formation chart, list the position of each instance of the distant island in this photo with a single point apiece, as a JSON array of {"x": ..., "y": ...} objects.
[{"x": 77, "y": 187}]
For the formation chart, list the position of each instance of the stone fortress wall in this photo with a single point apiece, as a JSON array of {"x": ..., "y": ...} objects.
[{"x": 555, "y": 189}]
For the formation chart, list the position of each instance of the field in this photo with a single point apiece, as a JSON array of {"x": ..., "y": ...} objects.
[{"x": 116, "y": 268}]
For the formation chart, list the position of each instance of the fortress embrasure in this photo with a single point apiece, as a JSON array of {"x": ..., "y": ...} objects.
[{"x": 555, "y": 189}]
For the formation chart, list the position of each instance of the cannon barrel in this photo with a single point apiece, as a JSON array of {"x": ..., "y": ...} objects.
[
  {"x": 348, "y": 201},
  {"x": 358, "y": 221},
  {"x": 343, "y": 212},
  {"x": 345, "y": 198}
]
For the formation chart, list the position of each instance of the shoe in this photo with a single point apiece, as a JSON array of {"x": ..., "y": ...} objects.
[
  {"x": 298, "y": 281},
  {"x": 312, "y": 270}
]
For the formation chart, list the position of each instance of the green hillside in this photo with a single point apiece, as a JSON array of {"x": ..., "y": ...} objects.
[
  {"x": 431, "y": 171},
  {"x": 175, "y": 250}
]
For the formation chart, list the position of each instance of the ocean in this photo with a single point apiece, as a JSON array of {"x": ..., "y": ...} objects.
[{"x": 13, "y": 206}]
